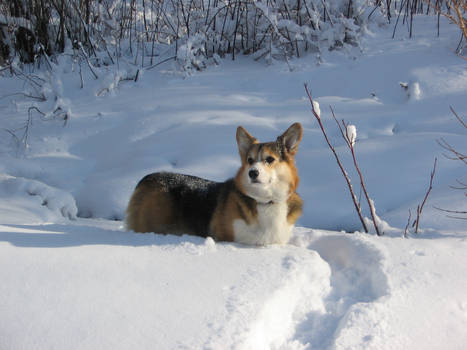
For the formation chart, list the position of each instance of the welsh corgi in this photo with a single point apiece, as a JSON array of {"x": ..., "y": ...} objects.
[{"x": 259, "y": 206}]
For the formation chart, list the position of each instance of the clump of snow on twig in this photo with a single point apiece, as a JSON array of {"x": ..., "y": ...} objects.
[
  {"x": 351, "y": 134},
  {"x": 316, "y": 108}
]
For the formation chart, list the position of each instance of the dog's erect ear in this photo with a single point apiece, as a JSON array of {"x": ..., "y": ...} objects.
[
  {"x": 244, "y": 141},
  {"x": 291, "y": 138}
]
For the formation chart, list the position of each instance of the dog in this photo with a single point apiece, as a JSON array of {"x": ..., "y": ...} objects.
[{"x": 259, "y": 206}]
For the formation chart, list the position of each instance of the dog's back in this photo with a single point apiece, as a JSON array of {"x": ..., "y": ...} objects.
[{"x": 173, "y": 203}]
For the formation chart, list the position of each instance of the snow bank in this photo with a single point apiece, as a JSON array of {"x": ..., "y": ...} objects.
[
  {"x": 40, "y": 202},
  {"x": 91, "y": 285},
  {"x": 105, "y": 288}
]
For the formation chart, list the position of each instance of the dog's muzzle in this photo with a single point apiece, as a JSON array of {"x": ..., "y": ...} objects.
[{"x": 253, "y": 174}]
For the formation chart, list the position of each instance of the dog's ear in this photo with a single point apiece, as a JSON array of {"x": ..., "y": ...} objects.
[
  {"x": 291, "y": 138},
  {"x": 244, "y": 141}
]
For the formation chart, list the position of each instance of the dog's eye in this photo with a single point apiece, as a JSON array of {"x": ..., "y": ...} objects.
[
  {"x": 250, "y": 160},
  {"x": 270, "y": 159}
]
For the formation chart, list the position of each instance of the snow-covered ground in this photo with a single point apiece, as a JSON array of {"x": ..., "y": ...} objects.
[{"x": 71, "y": 277}]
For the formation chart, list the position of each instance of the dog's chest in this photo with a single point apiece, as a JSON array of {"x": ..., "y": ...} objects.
[{"x": 271, "y": 226}]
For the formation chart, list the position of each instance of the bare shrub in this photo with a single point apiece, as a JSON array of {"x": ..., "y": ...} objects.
[
  {"x": 453, "y": 154},
  {"x": 191, "y": 30},
  {"x": 455, "y": 11},
  {"x": 349, "y": 137},
  {"x": 416, "y": 222}
]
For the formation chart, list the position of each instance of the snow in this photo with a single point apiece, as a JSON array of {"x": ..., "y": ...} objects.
[
  {"x": 55, "y": 201},
  {"x": 415, "y": 91},
  {"x": 316, "y": 108},
  {"x": 160, "y": 292},
  {"x": 351, "y": 134},
  {"x": 72, "y": 277}
]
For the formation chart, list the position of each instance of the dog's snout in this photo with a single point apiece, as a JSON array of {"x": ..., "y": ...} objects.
[{"x": 253, "y": 174}]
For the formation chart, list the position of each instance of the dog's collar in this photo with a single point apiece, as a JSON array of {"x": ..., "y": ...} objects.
[{"x": 251, "y": 198}]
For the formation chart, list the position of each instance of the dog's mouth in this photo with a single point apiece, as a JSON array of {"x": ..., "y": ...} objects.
[{"x": 258, "y": 182}]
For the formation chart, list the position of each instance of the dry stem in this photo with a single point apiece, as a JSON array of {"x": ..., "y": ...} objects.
[
  {"x": 351, "y": 146},
  {"x": 341, "y": 167},
  {"x": 453, "y": 212},
  {"x": 408, "y": 224},
  {"x": 420, "y": 206}
]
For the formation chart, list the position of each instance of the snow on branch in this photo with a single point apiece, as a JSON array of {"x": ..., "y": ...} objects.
[
  {"x": 349, "y": 136},
  {"x": 6, "y": 20},
  {"x": 192, "y": 31},
  {"x": 317, "y": 114}
]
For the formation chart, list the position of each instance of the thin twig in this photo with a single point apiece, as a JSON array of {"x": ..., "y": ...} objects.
[
  {"x": 163, "y": 61},
  {"x": 87, "y": 60},
  {"x": 458, "y": 118},
  {"x": 408, "y": 224},
  {"x": 451, "y": 211},
  {"x": 456, "y": 155},
  {"x": 39, "y": 98},
  {"x": 350, "y": 144},
  {"x": 341, "y": 167},
  {"x": 80, "y": 74},
  {"x": 420, "y": 207}
]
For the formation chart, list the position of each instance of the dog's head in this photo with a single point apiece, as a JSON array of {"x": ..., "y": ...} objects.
[{"x": 268, "y": 171}]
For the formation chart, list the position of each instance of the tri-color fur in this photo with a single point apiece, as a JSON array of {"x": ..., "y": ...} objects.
[{"x": 259, "y": 206}]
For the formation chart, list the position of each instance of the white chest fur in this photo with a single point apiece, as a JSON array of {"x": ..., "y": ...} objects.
[{"x": 271, "y": 226}]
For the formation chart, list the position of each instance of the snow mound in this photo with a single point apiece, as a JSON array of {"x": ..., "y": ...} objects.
[
  {"x": 106, "y": 288},
  {"x": 358, "y": 283},
  {"x": 220, "y": 295},
  {"x": 42, "y": 201},
  {"x": 267, "y": 320}
]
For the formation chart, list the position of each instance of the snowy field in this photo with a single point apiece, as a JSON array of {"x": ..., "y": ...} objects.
[{"x": 71, "y": 277}]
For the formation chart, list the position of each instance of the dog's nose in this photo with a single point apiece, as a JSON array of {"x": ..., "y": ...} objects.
[{"x": 253, "y": 174}]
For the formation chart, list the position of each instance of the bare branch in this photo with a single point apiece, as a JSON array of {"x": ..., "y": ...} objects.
[
  {"x": 408, "y": 224},
  {"x": 458, "y": 118},
  {"x": 453, "y": 212},
  {"x": 163, "y": 61},
  {"x": 341, "y": 167},
  {"x": 455, "y": 154},
  {"x": 339, "y": 126},
  {"x": 420, "y": 207},
  {"x": 87, "y": 60},
  {"x": 351, "y": 146}
]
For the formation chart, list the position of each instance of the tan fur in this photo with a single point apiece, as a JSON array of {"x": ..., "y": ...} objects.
[
  {"x": 291, "y": 176},
  {"x": 149, "y": 210},
  {"x": 295, "y": 208},
  {"x": 232, "y": 208}
]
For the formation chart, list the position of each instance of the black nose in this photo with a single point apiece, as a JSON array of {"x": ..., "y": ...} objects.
[{"x": 253, "y": 173}]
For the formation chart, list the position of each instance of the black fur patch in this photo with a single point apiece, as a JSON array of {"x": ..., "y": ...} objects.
[{"x": 194, "y": 198}]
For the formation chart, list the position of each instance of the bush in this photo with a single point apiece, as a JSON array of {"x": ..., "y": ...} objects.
[{"x": 192, "y": 31}]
